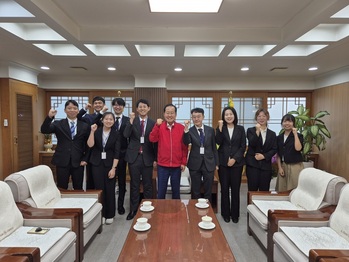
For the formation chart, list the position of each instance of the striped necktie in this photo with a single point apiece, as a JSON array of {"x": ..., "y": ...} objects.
[{"x": 72, "y": 129}]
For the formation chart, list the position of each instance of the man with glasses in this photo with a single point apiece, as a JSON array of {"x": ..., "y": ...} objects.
[{"x": 120, "y": 124}]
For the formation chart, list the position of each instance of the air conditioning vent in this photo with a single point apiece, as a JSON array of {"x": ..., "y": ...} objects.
[
  {"x": 79, "y": 68},
  {"x": 278, "y": 69}
]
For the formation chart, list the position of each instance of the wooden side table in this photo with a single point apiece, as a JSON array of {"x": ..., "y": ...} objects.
[{"x": 45, "y": 159}]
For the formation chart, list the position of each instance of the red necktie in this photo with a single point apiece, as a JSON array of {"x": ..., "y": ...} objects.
[{"x": 142, "y": 134}]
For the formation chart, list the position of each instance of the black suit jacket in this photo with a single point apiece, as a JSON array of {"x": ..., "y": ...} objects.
[
  {"x": 90, "y": 119},
  {"x": 210, "y": 156},
  {"x": 133, "y": 133},
  {"x": 255, "y": 145},
  {"x": 112, "y": 148},
  {"x": 67, "y": 149},
  {"x": 123, "y": 139},
  {"x": 233, "y": 148}
]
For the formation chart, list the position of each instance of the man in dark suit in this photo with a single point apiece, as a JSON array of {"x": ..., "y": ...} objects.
[
  {"x": 140, "y": 154},
  {"x": 203, "y": 156},
  {"x": 99, "y": 107},
  {"x": 70, "y": 153},
  {"x": 120, "y": 124}
]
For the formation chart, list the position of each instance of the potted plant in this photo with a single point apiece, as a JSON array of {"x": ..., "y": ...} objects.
[{"x": 312, "y": 128}]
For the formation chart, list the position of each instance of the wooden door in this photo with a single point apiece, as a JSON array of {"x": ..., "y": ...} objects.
[{"x": 23, "y": 140}]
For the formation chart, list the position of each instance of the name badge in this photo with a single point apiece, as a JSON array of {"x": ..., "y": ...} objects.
[
  {"x": 104, "y": 155},
  {"x": 142, "y": 139},
  {"x": 202, "y": 150}
]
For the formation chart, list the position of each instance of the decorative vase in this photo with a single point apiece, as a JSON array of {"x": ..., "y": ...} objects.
[{"x": 48, "y": 143}]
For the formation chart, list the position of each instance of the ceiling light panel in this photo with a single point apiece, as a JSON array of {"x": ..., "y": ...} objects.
[
  {"x": 344, "y": 13},
  {"x": 185, "y": 6},
  {"x": 156, "y": 50},
  {"x": 108, "y": 50},
  {"x": 10, "y": 8},
  {"x": 32, "y": 31},
  {"x": 250, "y": 50},
  {"x": 203, "y": 50},
  {"x": 326, "y": 32},
  {"x": 299, "y": 50},
  {"x": 61, "y": 49}
]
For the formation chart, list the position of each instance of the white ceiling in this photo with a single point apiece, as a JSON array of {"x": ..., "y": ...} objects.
[{"x": 291, "y": 34}]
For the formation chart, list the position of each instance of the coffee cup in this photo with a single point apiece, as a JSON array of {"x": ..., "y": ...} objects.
[
  {"x": 202, "y": 202},
  {"x": 142, "y": 222},
  {"x": 206, "y": 220},
  {"x": 146, "y": 205}
]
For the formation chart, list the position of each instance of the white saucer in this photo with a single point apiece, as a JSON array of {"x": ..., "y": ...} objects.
[
  {"x": 202, "y": 206},
  {"x": 147, "y": 227},
  {"x": 147, "y": 210},
  {"x": 203, "y": 226}
]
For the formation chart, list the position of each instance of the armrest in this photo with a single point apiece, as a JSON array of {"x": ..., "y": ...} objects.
[
  {"x": 316, "y": 254},
  {"x": 81, "y": 193},
  {"x": 32, "y": 253},
  {"x": 67, "y": 222},
  {"x": 264, "y": 194},
  {"x": 74, "y": 214},
  {"x": 275, "y": 216}
]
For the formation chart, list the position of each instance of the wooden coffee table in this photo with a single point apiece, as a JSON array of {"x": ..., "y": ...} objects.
[{"x": 175, "y": 235}]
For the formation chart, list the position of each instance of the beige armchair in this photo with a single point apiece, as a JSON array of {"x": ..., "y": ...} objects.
[
  {"x": 295, "y": 239},
  {"x": 58, "y": 244},
  {"x": 35, "y": 187},
  {"x": 316, "y": 190}
]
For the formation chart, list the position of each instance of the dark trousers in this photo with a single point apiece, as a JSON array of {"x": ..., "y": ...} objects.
[
  {"x": 230, "y": 178},
  {"x": 258, "y": 179},
  {"x": 63, "y": 175},
  {"x": 121, "y": 174},
  {"x": 201, "y": 176},
  {"x": 103, "y": 182},
  {"x": 89, "y": 177},
  {"x": 140, "y": 173},
  {"x": 164, "y": 173}
]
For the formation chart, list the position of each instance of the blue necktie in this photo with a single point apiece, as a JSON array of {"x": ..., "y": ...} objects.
[
  {"x": 202, "y": 136},
  {"x": 72, "y": 129}
]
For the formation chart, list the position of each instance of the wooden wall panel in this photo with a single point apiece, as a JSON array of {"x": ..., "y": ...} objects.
[
  {"x": 5, "y": 143},
  {"x": 335, "y": 99},
  {"x": 157, "y": 98}
]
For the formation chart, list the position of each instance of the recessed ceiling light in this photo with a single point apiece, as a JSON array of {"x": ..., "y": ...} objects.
[
  {"x": 245, "y": 68},
  {"x": 178, "y": 69},
  {"x": 314, "y": 68},
  {"x": 45, "y": 68},
  {"x": 185, "y": 6},
  {"x": 111, "y": 68}
]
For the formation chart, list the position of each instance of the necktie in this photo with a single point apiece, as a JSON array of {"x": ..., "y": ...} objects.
[
  {"x": 142, "y": 127},
  {"x": 142, "y": 134},
  {"x": 72, "y": 129},
  {"x": 117, "y": 123},
  {"x": 202, "y": 136}
]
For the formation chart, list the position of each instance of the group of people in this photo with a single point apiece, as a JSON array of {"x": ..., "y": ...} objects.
[{"x": 106, "y": 142}]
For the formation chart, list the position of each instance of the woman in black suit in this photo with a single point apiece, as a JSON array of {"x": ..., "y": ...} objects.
[
  {"x": 105, "y": 148},
  {"x": 261, "y": 148},
  {"x": 231, "y": 139}
]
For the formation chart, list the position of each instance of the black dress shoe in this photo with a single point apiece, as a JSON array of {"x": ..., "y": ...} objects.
[
  {"x": 235, "y": 220},
  {"x": 121, "y": 210},
  {"x": 226, "y": 219},
  {"x": 131, "y": 215}
]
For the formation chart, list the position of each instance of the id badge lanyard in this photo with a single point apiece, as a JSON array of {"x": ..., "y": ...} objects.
[{"x": 104, "y": 142}]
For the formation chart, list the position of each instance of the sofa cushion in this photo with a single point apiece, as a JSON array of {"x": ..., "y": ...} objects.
[
  {"x": 21, "y": 238},
  {"x": 311, "y": 189},
  {"x": 10, "y": 217},
  {"x": 42, "y": 188},
  {"x": 340, "y": 217},
  {"x": 306, "y": 238}
]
